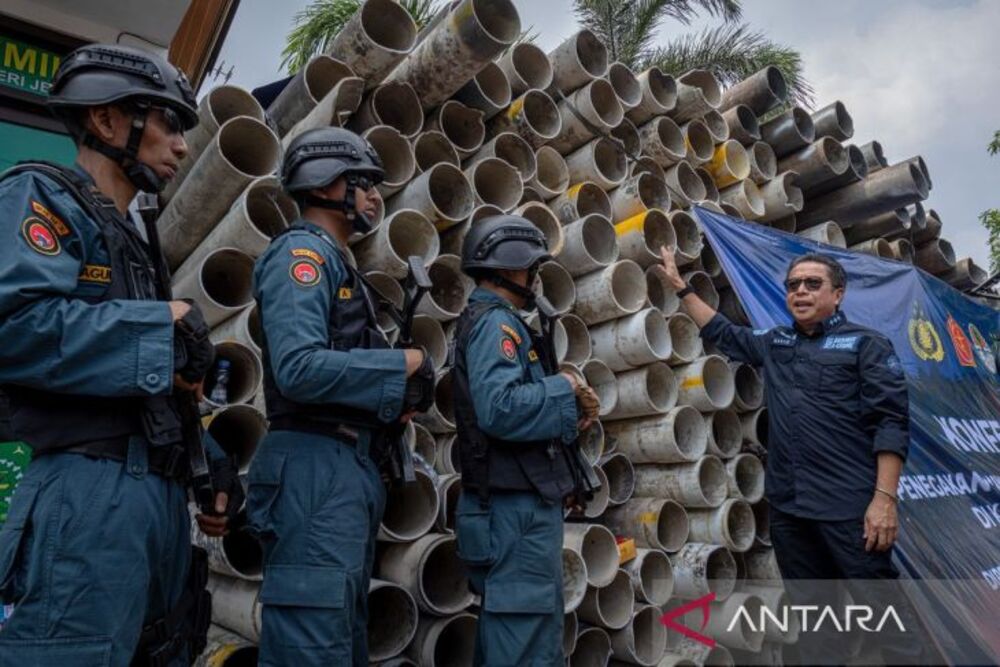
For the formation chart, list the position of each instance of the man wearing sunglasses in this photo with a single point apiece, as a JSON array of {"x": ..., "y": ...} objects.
[
  {"x": 95, "y": 554},
  {"x": 838, "y": 424}
]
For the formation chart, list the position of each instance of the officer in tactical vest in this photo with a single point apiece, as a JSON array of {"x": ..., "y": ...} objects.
[
  {"x": 334, "y": 391},
  {"x": 517, "y": 417},
  {"x": 95, "y": 359}
]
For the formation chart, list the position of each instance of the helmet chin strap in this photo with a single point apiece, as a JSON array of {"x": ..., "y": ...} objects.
[
  {"x": 349, "y": 206},
  {"x": 139, "y": 174},
  {"x": 524, "y": 292}
]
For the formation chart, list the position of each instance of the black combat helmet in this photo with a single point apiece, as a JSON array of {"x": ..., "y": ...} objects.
[
  {"x": 316, "y": 158},
  {"x": 99, "y": 74},
  {"x": 505, "y": 242}
]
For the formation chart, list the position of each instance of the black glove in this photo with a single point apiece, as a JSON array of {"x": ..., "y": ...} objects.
[
  {"x": 194, "y": 354},
  {"x": 419, "y": 394},
  {"x": 226, "y": 479}
]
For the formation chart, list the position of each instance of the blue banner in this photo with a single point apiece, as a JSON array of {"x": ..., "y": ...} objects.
[{"x": 950, "y": 490}]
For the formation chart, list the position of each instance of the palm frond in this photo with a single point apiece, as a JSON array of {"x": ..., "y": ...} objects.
[
  {"x": 685, "y": 10},
  {"x": 732, "y": 53}
]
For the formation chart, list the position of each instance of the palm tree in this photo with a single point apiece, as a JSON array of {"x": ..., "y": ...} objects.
[{"x": 731, "y": 51}]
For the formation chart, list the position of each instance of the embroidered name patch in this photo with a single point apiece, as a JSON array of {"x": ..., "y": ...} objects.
[
  {"x": 507, "y": 348},
  {"x": 53, "y": 219},
  {"x": 344, "y": 293},
  {"x": 311, "y": 254},
  {"x": 41, "y": 236},
  {"x": 93, "y": 273},
  {"x": 848, "y": 343},
  {"x": 783, "y": 340},
  {"x": 760, "y": 332},
  {"x": 511, "y": 332},
  {"x": 305, "y": 272}
]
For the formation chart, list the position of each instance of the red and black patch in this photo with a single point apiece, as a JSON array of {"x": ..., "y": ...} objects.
[
  {"x": 507, "y": 348},
  {"x": 305, "y": 272},
  {"x": 40, "y": 235}
]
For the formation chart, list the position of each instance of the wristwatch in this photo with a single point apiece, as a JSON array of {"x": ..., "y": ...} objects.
[{"x": 684, "y": 291}]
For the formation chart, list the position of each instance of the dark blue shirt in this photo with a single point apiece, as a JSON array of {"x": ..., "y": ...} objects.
[{"x": 834, "y": 399}]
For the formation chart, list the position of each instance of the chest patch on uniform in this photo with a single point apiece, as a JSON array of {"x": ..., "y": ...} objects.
[
  {"x": 509, "y": 330},
  {"x": 344, "y": 293},
  {"x": 41, "y": 236},
  {"x": 848, "y": 343},
  {"x": 507, "y": 348},
  {"x": 784, "y": 340},
  {"x": 93, "y": 273},
  {"x": 311, "y": 254},
  {"x": 52, "y": 218},
  {"x": 305, "y": 272},
  {"x": 532, "y": 355}
]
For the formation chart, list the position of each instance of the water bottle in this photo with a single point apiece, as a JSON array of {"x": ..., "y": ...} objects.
[{"x": 220, "y": 392}]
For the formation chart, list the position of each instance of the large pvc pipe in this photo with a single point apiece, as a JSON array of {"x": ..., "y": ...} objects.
[
  {"x": 392, "y": 103},
  {"x": 626, "y": 85},
  {"x": 638, "y": 194},
  {"x": 449, "y": 489},
  {"x": 461, "y": 124},
  {"x": 592, "y": 443},
  {"x": 763, "y": 162},
  {"x": 931, "y": 229},
  {"x": 641, "y": 237},
  {"x": 403, "y": 234},
  {"x": 706, "y": 384},
  {"x": 776, "y": 600},
  {"x": 495, "y": 181},
  {"x": 820, "y": 161},
  {"x": 226, "y": 649},
  {"x": 379, "y": 35},
  {"x": 826, "y": 232},
  {"x": 688, "y": 236},
  {"x": 581, "y": 200},
  {"x": 512, "y": 149},
  {"x": 717, "y": 126},
  {"x": 239, "y": 430},
  {"x": 833, "y": 121},
  {"x": 243, "y": 149},
  {"x": 964, "y": 275},
  {"x": 589, "y": 244},
  {"x": 884, "y": 190},
  {"x": 458, "y": 47},
  {"x": 782, "y": 196},
  {"x": 874, "y": 156},
  {"x": 610, "y": 606},
  {"x": 762, "y": 518},
  {"x": 580, "y": 59},
  {"x": 220, "y": 105},
  {"x": 598, "y": 548},
  {"x": 903, "y": 251},
  {"x": 237, "y": 554},
  {"x": 421, "y": 442},
  {"x": 333, "y": 108},
  {"x": 441, "y": 194},
  {"x": 749, "y": 387},
  {"x": 597, "y": 503},
  {"x": 662, "y": 140},
  {"x": 541, "y": 216},
  {"x": 571, "y": 628},
  {"x": 746, "y": 477},
  {"x": 593, "y": 648},
  {"x": 441, "y": 642},
  {"x": 761, "y": 91},
  {"x": 685, "y": 186},
  {"x": 890, "y": 224},
  {"x": 440, "y": 417},
  {"x": 789, "y": 131},
  {"x": 220, "y": 283},
  {"x": 659, "y": 96},
  {"x": 305, "y": 90},
  {"x": 935, "y": 257},
  {"x": 429, "y": 334},
  {"x": 620, "y": 476},
  {"x": 685, "y": 339},
  {"x": 698, "y": 484},
  {"x": 644, "y": 640},
  {"x": 730, "y": 524},
  {"x": 711, "y": 189},
  {"x": 698, "y": 92},
  {"x": 857, "y": 169},
  {"x": 654, "y": 523},
  {"x": 432, "y": 147},
  {"x": 526, "y": 67},
  {"x": 762, "y": 565},
  {"x": 703, "y": 287},
  {"x": 410, "y": 510},
  {"x": 700, "y": 569},
  {"x": 725, "y": 433},
  {"x": 552, "y": 175},
  {"x": 743, "y": 125},
  {"x": 601, "y": 161},
  {"x": 489, "y": 91},
  {"x": 733, "y": 622},
  {"x": 393, "y": 615},
  {"x": 431, "y": 571},
  {"x": 244, "y": 328},
  {"x": 876, "y": 247},
  {"x": 557, "y": 286},
  {"x": 755, "y": 426},
  {"x": 649, "y": 390},
  {"x": 578, "y": 350},
  {"x": 447, "y": 461},
  {"x": 574, "y": 580},
  {"x": 389, "y": 289},
  {"x": 452, "y": 237},
  {"x": 652, "y": 576},
  {"x": 660, "y": 294},
  {"x": 699, "y": 141},
  {"x": 534, "y": 116},
  {"x": 595, "y": 106},
  {"x": 396, "y": 155},
  {"x": 676, "y": 437},
  {"x": 246, "y": 372},
  {"x": 236, "y": 605},
  {"x": 729, "y": 163},
  {"x": 600, "y": 378},
  {"x": 629, "y": 341},
  {"x": 746, "y": 197}
]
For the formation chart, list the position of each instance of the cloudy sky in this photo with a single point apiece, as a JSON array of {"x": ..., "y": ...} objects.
[{"x": 921, "y": 76}]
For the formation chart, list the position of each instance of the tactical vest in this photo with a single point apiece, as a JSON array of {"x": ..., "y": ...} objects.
[
  {"x": 51, "y": 421},
  {"x": 491, "y": 464},
  {"x": 353, "y": 325}
]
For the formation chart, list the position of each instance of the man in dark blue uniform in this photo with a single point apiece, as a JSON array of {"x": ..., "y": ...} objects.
[
  {"x": 333, "y": 390},
  {"x": 516, "y": 416},
  {"x": 95, "y": 553}
]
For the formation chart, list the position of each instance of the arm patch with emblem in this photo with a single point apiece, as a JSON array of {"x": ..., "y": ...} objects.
[{"x": 305, "y": 272}]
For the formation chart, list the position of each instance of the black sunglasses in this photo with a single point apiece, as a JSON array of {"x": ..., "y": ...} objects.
[
  {"x": 171, "y": 119},
  {"x": 812, "y": 284}
]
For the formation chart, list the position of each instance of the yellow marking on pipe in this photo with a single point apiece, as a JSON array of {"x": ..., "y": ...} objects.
[
  {"x": 515, "y": 107},
  {"x": 633, "y": 224},
  {"x": 693, "y": 382},
  {"x": 626, "y": 551},
  {"x": 574, "y": 190},
  {"x": 649, "y": 517},
  {"x": 463, "y": 13},
  {"x": 219, "y": 658}
]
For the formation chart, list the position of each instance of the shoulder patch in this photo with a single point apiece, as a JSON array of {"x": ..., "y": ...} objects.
[
  {"x": 305, "y": 272},
  {"x": 532, "y": 356},
  {"x": 847, "y": 343},
  {"x": 93, "y": 273},
  {"x": 509, "y": 330},
  {"x": 311, "y": 254},
  {"x": 53, "y": 219},
  {"x": 40, "y": 236},
  {"x": 344, "y": 293},
  {"x": 508, "y": 349}
]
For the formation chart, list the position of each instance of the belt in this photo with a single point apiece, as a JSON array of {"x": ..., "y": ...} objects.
[
  {"x": 168, "y": 462},
  {"x": 330, "y": 429}
]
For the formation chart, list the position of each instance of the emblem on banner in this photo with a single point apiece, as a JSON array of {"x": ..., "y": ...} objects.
[
  {"x": 982, "y": 348},
  {"x": 924, "y": 338},
  {"x": 963, "y": 348}
]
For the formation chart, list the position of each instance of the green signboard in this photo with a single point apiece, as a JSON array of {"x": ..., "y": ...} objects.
[
  {"x": 25, "y": 67},
  {"x": 14, "y": 457}
]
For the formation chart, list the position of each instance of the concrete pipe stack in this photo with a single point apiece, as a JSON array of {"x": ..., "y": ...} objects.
[{"x": 497, "y": 128}]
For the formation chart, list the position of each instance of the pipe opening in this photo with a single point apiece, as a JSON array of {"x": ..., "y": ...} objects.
[
  {"x": 245, "y": 372},
  {"x": 616, "y": 601},
  {"x": 653, "y": 193},
  {"x": 392, "y": 621},
  {"x": 749, "y": 477},
  {"x": 699, "y": 140},
  {"x": 686, "y": 232},
  {"x": 557, "y": 286},
  {"x": 591, "y": 199},
  {"x": 621, "y": 478},
  {"x": 432, "y": 147},
  {"x": 593, "y": 648},
  {"x": 493, "y": 85},
  {"x": 552, "y": 172},
  {"x": 457, "y": 641},
  {"x": 857, "y": 162},
  {"x": 689, "y": 183},
  {"x": 532, "y": 65},
  {"x": 516, "y": 152},
  {"x": 397, "y": 104},
  {"x": 659, "y": 293},
  {"x": 670, "y": 136},
  {"x": 657, "y": 335},
  {"x": 249, "y": 146},
  {"x": 394, "y": 151},
  {"x": 577, "y": 343},
  {"x": 428, "y": 333},
  {"x": 239, "y": 430},
  {"x": 498, "y": 19},
  {"x": 323, "y": 73},
  {"x": 591, "y": 53},
  {"x": 463, "y": 126},
  {"x": 763, "y": 162},
  {"x": 627, "y": 134},
  {"x": 496, "y": 182},
  {"x": 410, "y": 509},
  {"x": 711, "y": 189},
  {"x": 747, "y": 119},
  {"x": 449, "y": 286},
  {"x": 656, "y": 577},
  {"x": 721, "y": 572},
  {"x": 226, "y": 276},
  {"x": 727, "y": 433},
  {"x": 712, "y": 480},
  {"x": 749, "y": 386},
  {"x": 609, "y": 160},
  {"x": 269, "y": 210},
  {"x": 704, "y": 288},
  {"x": 600, "y": 553},
  {"x": 599, "y": 240},
  {"x": 660, "y": 385},
  {"x": 689, "y": 431},
  {"x": 442, "y": 581},
  {"x": 605, "y": 103},
  {"x": 662, "y": 88},
  {"x": 541, "y": 216},
  {"x": 626, "y": 86},
  {"x": 685, "y": 338},
  {"x": 628, "y": 291},
  {"x": 412, "y": 235},
  {"x": 228, "y": 102},
  {"x": 243, "y": 552},
  {"x": 541, "y": 114},
  {"x": 422, "y": 442},
  {"x": 739, "y": 524},
  {"x": 574, "y": 579},
  {"x": 758, "y": 427},
  {"x": 450, "y": 193},
  {"x": 719, "y": 386},
  {"x": 671, "y": 525},
  {"x": 706, "y": 82},
  {"x": 903, "y": 251},
  {"x": 592, "y": 442},
  {"x": 843, "y": 120},
  {"x": 716, "y": 125},
  {"x": 657, "y": 231},
  {"x": 389, "y": 25},
  {"x": 649, "y": 635}
]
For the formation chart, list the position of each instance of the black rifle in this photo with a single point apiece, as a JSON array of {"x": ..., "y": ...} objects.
[
  {"x": 583, "y": 473},
  {"x": 184, "y": 402},
  {"x": 417, "y": 284}
]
